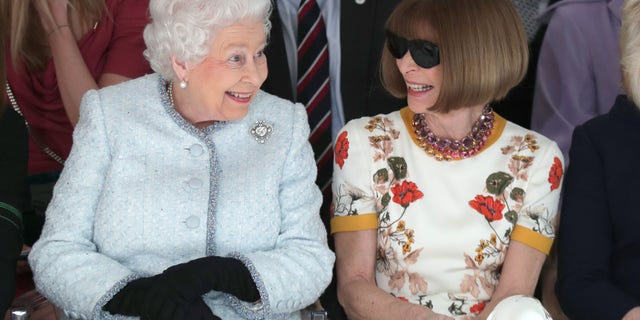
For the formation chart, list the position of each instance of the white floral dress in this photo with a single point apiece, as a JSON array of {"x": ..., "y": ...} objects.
[{"x": 444, "y": 227}]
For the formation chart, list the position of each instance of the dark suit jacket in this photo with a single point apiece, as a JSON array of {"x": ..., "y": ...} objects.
[
  {"x": 362, "y": 38},
  {"x": 13, "y": 173},
  {"x": 599, "y": 236}
]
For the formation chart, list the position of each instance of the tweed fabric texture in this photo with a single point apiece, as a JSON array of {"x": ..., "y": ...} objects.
[{"x": 144, "y": 190}]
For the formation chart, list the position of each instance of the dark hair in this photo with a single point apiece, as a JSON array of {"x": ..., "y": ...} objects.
[{"x": 483, "y": 48}]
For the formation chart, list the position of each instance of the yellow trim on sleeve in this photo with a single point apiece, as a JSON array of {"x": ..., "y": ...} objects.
[
  {"x": 532, "y": 239},
  {"x": 354, "y": 223}
]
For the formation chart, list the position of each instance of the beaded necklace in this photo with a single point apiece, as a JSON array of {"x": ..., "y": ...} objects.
[
  {"x": 454, "y": 149},
  {"x": 170, "y": 93}
]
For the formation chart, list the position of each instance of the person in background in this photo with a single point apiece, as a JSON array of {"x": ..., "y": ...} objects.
[
  {"x": 13, "y": 173},
  {"x": 355, "y": 33},
  {"x": 598, "y": 241},
  {"x": 444, "y": 209},
  {"x": 354, "y": 30},
  {"x": 577, "y": 78},
  {"x": 577, "y": 74},
  {"x": 188, "y": 193},
  {"x": 516, "y": 106},
  {"x": 53, "y": 52}
]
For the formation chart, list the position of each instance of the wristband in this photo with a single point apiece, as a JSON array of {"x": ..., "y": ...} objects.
[{"x": 56, "y": 29}]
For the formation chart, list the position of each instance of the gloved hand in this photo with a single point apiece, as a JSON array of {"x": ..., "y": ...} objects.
[
  {"x": 10, "y": 247},
  {"x": 196, "y": 310},
  {"x": 138, "y": 298},
  {"x": 194, "y": 278},
  {"x": 128, "y": 301}
]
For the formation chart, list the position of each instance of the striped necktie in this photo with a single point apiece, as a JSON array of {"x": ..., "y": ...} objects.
[{"x": 313, "y": 89}]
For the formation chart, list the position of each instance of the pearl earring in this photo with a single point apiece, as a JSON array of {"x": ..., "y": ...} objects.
[{"x": 183, "y": 84}]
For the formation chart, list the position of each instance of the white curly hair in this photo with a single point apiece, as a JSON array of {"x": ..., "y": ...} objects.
[{"x": 185, "y": 28}]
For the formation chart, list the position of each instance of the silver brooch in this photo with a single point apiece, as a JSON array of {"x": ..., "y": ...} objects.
[{"x": 261, "y": 131}]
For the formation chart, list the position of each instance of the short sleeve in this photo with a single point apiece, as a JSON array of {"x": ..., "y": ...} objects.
[
  {"x": 354, "y": 200},
  {"x": 537, "y": 219}
]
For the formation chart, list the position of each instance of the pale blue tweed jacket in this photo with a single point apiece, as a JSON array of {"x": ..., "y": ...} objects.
[{"x": 143, "y": 190}]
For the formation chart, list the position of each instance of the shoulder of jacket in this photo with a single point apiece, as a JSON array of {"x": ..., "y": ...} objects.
[{"x": 569, "y": 6}]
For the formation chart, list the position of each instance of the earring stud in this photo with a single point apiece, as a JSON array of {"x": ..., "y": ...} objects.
[{"x": 183, "y": 84}]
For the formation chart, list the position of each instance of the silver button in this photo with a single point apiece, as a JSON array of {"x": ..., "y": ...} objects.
[
  {"x": 196, "y": 150},
  {"x": 360, "y": 1},
  {"x": 192, "y": 222},
  {"x": 195, "y": 183}
]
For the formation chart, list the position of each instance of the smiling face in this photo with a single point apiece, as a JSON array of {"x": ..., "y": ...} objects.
[
  {"x": 223, "y": 85},
  {"x": 423, "y": 85}
]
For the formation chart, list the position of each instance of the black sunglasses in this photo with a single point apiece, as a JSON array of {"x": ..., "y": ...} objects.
[{"x": 423, "y": 52}]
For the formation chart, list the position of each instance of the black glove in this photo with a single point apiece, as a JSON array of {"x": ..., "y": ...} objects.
[
  {"x": 138, "y": 298},
  {"x": 128, "y": 301},
  {"x": 194, "y": 278},
  {"x": 196, "y": 310},
  {"x": 10, "y": 247}
]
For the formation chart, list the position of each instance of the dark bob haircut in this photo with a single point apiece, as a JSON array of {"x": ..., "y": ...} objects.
[{"x": 483, "y": 48}]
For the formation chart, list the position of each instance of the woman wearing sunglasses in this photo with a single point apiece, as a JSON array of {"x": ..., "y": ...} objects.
[{"x": 443, "y": 209}]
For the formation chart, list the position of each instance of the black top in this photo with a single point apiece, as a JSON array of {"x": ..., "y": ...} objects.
[
  {"x": 13, "y": 171},
  {"x": 599, "y": 235}
]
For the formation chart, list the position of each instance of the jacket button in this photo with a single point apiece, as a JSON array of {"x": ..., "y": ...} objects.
[
  {"x": 196, "y": 150},
  {"x": 192, "y": 222},
  {"x": 195, "y": 183}
]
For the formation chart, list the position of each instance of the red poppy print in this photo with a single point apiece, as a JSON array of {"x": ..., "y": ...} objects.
[
  {"x": 341, "y": 149},
  {"x": 555, "y": 174},
  {"x": 478, "y": 307},
  {"x": 406, "y": 193},
  {"x": 488, "y": 206}
]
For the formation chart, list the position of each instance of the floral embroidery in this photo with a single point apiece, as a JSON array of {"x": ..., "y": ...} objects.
[
  {"x": 505, "y": 200},
  {"x": 351, "y": 195},
  {"x": 394, "y": 185},
  {"x": 478, "y": 307},
  {"x": 487, "y": 248},
  {"x": 488, "y": 206},
  {"x": 555, "y": 174},
  {"x": 395, "y": 267},
  {"x": 519, "y": 163},
  {"x": 347, "y": 195},
  {"x": 382, "y": 143},
  {"x": 485, "y": 278},
  {"x": 406, "y": 193},
  {"x": 404, "y": 236},
  {"x": 341, "y": 149},
  {"x": 456, "y": 306},
  {"x": 542, "y": 217},
  {"x": 421, "y": 300}
]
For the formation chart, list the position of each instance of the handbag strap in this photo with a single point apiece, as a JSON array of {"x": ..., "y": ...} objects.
[{"x": 47, "y": 150}]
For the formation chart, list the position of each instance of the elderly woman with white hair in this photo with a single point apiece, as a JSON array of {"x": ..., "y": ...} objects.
[
  {"x": 599, "y": 242},
  {"x": 189, "y": 193}
]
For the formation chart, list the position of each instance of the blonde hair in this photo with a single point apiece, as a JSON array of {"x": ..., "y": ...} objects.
[
  {"x": 483, "y": 48},
  {"x": 21, "y": 31},
  {"x": 630, "y": 49}
]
